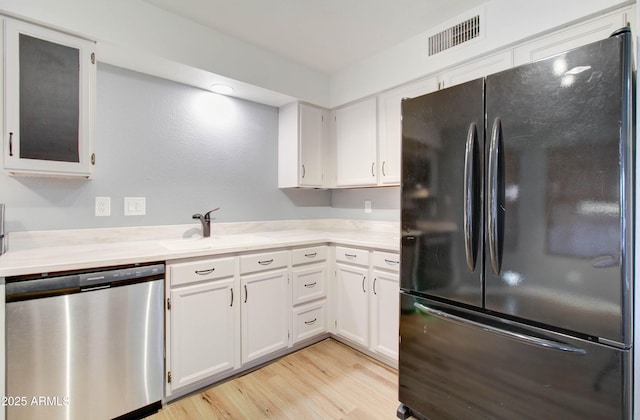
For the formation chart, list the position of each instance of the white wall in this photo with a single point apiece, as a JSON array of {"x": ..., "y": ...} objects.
[
  {"x": 185, "y": 149},
  {"x": 153, "y": 40},
  {"x": 506, "y": 22},
  {"x": 349, "y": 203}
]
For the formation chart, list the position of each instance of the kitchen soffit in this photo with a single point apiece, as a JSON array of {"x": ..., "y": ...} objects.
[{"x": 326, "y": 35}]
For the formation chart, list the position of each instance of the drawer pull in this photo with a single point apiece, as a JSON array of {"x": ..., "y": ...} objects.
[
  {"x": 350, "y": 256},
  {"x": 246, "y": 293},
  {"x": 312, "y": 255},
  {"x": 205, "y": 272},
  {"x": 265, "y": 262},
  {"x": 374, "y": 286},
  {"x": 311, "y": 322},
  {"x": 363, "y": 280},
  {"x": 391, "y": 262},
  {"x": 231, "y": 296},
  {"x": 311, "y": 284}
]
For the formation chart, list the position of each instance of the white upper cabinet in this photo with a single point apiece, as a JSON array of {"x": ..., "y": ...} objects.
[
  {"x": 390, "y": 127},
  {"x": 49, "y": 101},
  {"x": 475, "y": 69},
  {"x": 356, "y": 137},
  {"x": 574, "y": 36},
  {"x": 301, "y": 145}
]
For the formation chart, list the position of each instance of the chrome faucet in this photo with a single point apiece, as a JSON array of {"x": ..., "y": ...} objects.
[{"x": 206, "y": 222}]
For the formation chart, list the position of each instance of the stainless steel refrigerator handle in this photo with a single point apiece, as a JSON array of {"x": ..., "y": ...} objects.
[
  {"x": 468, "y": 197},
  {"x": 492, "y": 197},
  {"x": 536, "y": 341}
]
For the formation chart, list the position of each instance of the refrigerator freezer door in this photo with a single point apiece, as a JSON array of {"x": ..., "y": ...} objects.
[
  {"x": 442, "y": 144},
  {"x": 556, "y": 206},
  {"x": 451, "y": 368}
]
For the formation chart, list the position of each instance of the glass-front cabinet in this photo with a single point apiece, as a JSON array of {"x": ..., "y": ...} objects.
[{"x": 49, "y": 101}]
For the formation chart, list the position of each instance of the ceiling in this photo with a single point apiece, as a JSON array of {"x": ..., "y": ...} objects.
[{"x": 325, "y": 35}]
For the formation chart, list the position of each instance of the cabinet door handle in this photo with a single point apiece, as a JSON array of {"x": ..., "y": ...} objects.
[
  {"x": 311, "y": 322},
  {"x": 391, "y": 262},
  {"x": 350, "y": 256},
  {"x": 373, "y": 165},
  {"x": 265, "y": 262},
  {"x": 205, "y": 272},
  {"x": 374, "y": 286},
  {"x": 11, "y": 144},
  {"x": 363, "y": 280},
  {"x": 246, "y": 294},
  {"x": 310, "y": 285},
  {"x": 312, "y": 255},
  {"x": 383, "y": 171},
  {"x": 304, "y": 171},
  {"x": 231, "y": 297}
]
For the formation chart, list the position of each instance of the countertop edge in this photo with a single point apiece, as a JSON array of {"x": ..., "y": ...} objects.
[{"x": 79, "y": 257}]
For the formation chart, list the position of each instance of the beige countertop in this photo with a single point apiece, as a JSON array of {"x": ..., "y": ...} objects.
[{"x": 45, "y": 252}]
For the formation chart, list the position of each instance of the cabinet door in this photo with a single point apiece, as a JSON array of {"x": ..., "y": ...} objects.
[
  {"x": 311, "y": 145},
  {"x": 390, "y": 127},
  {"x": 265, "y": 314},
  {"x": 352, "y": 304},
  {"x": 385, "y": 313},
  {"x": 356, "y": 136},
  {"x": 572, "y": 37},
  {"x": 476, "y": 69},
  {"x": 49, "y": 101},
  {"x": 203, "y": 326}
]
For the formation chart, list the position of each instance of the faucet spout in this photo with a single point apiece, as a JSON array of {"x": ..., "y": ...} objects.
[{"x": 206, "y": 222}]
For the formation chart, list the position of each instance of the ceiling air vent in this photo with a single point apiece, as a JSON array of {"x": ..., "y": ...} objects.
[{"x": 455, "y": 35}]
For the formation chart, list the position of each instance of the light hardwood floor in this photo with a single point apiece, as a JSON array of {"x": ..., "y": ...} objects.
[{"x": 327, "y": 380}]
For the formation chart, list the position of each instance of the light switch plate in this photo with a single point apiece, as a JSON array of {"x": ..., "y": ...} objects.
[
  {"x": 103, "y": 206},
  {"x": 135, "y": 206},
  {"x": 367, "y": 206}
]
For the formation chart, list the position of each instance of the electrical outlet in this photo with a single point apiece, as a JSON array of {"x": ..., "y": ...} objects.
[
  {"x": 367, "y": 206},
  {"x": 135, "y": 206},
  {"x": 103, "y": 206}
]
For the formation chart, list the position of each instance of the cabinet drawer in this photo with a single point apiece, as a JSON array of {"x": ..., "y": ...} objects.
[
  {"x": 308, "y": 255},
  {"x": 386, "y": 260},
  {"x": 309, "y": 321},
  {"x": 189, "y": 272},
  {"x": 264, "y": 261},
  {"x": 352, "y": 255},
  {"x": 309, "y": 283}
]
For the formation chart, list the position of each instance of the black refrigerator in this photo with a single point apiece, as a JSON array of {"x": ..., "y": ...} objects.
[{"x": 517, "y": 242}]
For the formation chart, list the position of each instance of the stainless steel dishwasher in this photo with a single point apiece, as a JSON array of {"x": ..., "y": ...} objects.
[{"x": 85, "y": 345}]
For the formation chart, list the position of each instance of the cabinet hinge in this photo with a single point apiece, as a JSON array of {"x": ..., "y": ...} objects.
[
  {"x": 169, "y": 377},
  {"x": 93, "y": 58},
  {"x": 288, "y": 334},
  {"x": 168, "y": 304},
  {"x": 335, "y": 323}
]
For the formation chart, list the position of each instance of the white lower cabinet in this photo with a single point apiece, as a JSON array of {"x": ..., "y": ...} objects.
[
  {"x": 366, "y": 302},
  {"x": 352, "y": 303},
  {"x": 265, "y": 314},
  {"x": 230, "y": 312},
  {"x": 203, "y": 321},
  {"x": 385, "y": 304},
  {"x": 309, "y": 292}
]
